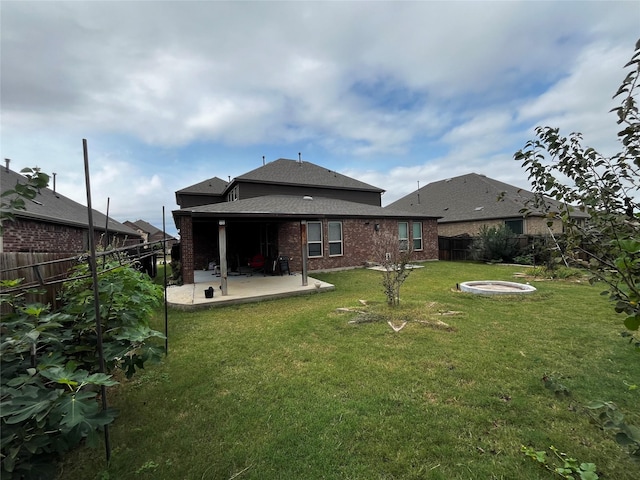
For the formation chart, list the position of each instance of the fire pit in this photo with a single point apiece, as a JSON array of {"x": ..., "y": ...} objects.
[{"x": 496, "y": 287}]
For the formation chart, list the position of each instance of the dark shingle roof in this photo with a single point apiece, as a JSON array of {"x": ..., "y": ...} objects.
[
  {"x": 56, "y": 208},
  {"x": 144, "y": 226},
  {"x": 212, "y": 186},
  {"x": 283, "y": 206},
  {"x": 293, "y": 172},
  {"x": 469, "y": 197},
  {"x": 147, "y": 228}
]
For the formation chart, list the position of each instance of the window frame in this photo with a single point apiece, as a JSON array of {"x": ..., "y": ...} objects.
[
  {"x": 514, "y": 220},
  {"x": 416, "y": 238},
  {"x": 315, "y": 242},
  {"x": 335, "y": 242},
  {"x": 403, "y": 242}
]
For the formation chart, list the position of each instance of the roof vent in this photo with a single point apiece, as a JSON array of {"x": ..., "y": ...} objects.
[{"x": 307, "y": 197}]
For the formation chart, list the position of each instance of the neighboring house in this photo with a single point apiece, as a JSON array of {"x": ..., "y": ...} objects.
[
  {"x": 301, "y": 211},
  {"x": 53, "y": 223},
  {"x": 467, "y": 203},
  {"x": 149, "y": 233}
]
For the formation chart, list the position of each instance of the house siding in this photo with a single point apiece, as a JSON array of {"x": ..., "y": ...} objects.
[
  {"x": 251, "y": 190},
  {"x": 532, "y": 226},
  {"x": 187, "y": 200}
]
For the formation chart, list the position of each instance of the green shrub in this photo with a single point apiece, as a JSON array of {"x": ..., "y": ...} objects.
[
  {"x": 50, "y": 374},
  {"x": 494, "y": 244}
]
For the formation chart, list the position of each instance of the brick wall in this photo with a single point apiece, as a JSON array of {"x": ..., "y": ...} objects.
[
  {"x": 23, "y": 235},
  {"x": 362, "y": 243},
  {"x": 186, "y": 249},
  {"x": 532, "y": 226}
]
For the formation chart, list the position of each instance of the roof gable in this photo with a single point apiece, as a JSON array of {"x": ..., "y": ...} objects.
[
  {"x": 292, "y": 172},
  {"x": 211, "y": 186},
  {"x": 469, "y": 197}
]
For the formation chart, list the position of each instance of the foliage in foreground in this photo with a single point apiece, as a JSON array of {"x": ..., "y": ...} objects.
[
  {"x": 562, "y": 464},
  {"x": 50, "y": 375},
  {"x": 607, "y": 188},
  {"x": 14, "y": 199}
]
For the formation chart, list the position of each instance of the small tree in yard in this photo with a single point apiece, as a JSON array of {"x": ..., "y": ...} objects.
[
  {"x": 394, "y": 258},
  {"x": 606, "y": 188},
  {"x": 494, "y": 244}
]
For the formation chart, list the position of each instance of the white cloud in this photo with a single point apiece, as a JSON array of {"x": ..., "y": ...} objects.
[{"x": 391, "y": 92}]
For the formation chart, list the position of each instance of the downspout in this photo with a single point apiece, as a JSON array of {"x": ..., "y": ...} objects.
[{"x": 303, "y": 251}]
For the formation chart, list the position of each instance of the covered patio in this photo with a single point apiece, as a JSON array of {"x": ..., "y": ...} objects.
[{"x": 242, "y": 288}]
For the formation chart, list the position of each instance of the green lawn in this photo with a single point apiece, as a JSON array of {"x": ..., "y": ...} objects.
[{"x": 289, "y": 389}]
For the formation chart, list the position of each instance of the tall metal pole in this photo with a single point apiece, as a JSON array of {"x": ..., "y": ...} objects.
[
  {"x": 106, "y": 233},
  {"x": 166, "y": 311},
  {"x": 96, "y": 298}
]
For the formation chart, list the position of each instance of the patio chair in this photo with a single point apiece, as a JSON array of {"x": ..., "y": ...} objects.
[{"x": 257, "y": 264}]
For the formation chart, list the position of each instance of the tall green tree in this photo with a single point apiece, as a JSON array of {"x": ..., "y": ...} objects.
[{"x": 605, "y": 187}]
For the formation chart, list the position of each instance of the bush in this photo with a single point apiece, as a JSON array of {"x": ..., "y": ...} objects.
[
  {"x": 494, "y": 244},
  {"x": 50, "y": 370}
]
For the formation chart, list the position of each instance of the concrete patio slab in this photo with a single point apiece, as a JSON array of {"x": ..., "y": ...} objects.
[{"x": 240, "y": 289}]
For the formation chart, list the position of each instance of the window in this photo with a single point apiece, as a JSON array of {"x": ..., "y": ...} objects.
[
  {"x": 233, "y": 195},
  {"x": 335, "y": 239},
  {"x": 403, "y": 235},
  {"x": 314, "y": 239},
  {"x": 515, "y": 225},
  {"x": 417, "y": 235}
]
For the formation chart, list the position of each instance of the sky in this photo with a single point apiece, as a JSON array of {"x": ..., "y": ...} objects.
[{"x": 396, "y": 94}]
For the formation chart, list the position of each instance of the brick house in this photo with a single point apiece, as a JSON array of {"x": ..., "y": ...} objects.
[
  {"x": 467, "y": 203},
  {"x": 317, "y": 218},
  {"x": 53, "y": 223}
]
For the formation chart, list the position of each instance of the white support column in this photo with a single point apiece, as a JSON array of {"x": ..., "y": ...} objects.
[{"x": 222, "y": 249}]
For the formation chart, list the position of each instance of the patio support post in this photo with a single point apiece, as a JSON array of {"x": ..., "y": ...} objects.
[
  {"x": 303, "y": 251},
  {"x": 222, "y": 242}
]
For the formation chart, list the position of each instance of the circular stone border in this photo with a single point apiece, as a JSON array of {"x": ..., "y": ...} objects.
[{"x": 496, "y": 287}]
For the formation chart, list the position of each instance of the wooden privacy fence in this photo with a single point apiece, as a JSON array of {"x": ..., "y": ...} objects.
[
  {"x": 47, "y": 272},
  {"x": 454, "y": 248},
  {"x": 44, "y": 271}
]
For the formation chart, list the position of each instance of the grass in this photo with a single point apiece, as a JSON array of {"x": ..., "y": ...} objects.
[{"x": 289, "y": 389}]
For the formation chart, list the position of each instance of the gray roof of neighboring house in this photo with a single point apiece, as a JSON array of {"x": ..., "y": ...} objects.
[
  {"x": 52, "y": 207},
  {"x": 212, "y": 186},
  {"x": 294, "y": 206},
  {"x": 145, "y": 227},
  {"x": 468, "y": 198},
  {"x": 293, "y": 172}
]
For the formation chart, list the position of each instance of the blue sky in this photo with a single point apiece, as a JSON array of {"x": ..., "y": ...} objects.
[{"x": 168, "y": 94}]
